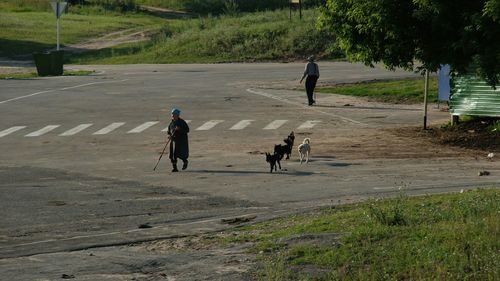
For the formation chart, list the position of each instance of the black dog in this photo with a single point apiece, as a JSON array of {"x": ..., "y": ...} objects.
[
  {"x": 289, "y": 144},
  {"x": 273, "y": 159},
  {"x": 280, "y": 149}
]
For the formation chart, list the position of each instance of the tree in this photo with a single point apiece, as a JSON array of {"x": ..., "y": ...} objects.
[
  {"x": 492, "y": 9},
  {"x": 462, "y": 33}
]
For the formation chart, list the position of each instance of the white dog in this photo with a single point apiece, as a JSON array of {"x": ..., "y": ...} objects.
[{"x": 304, "y": 150}]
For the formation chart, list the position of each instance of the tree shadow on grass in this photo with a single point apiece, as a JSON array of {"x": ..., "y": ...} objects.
[
  {"x": 81, "y": 55},
  {"x": 22, "y": 49}
]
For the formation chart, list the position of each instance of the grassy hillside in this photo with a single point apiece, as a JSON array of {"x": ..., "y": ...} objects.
[
  {"x": 257, "y": 36},
  {"x": 26, "y": 32},
  {"x": 28, "y": 26}
]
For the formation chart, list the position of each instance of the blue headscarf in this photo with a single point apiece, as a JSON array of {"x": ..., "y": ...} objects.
[{"x": 176, "y": 111}]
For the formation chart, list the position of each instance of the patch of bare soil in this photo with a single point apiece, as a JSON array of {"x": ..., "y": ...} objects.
[
  {"x": 473, "y": 139},
  {"x": 401, "y": 143},
  {"x": 202, "y": 257},
  {"x": 167, "y": 13},
  {"x": 475, "y": 135}
]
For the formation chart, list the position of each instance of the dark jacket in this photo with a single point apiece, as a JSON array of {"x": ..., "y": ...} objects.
[{"x": 179, "y": 147}]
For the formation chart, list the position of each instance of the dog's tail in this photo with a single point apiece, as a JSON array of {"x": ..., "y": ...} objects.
[{"x": 306, "y": 140}]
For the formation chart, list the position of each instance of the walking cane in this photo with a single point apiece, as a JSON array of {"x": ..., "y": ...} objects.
[{"x": 162, "y": 153}]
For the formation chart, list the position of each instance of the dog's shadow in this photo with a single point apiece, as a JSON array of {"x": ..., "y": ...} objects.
[
  {"x": 246, "y": 172},
  {"x": 341, "y": 164},
  {"x": 329, "y": 160},
  {"x": 320, "y": 158}
]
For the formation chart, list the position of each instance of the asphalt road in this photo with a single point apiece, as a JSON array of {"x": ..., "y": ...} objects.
[{"x": 77, "y": 154}]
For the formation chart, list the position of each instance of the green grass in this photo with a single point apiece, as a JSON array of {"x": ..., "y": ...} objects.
[
  {"x": 25, "y": 5},
  {"x": 495, "y": 126},
  {"x": 399, "y": 91},
  {"x": 22, "y": 33},
  {"x": 261, "y": 36},
  {"x": 439, "y": 237},
  {"x": 27, "y": 75}
]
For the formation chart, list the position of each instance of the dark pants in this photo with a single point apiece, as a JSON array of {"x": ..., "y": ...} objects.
[{"x": 310, "y": 85}]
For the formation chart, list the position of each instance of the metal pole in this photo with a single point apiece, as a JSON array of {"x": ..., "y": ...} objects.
[
  {"x": 58, "y": 25},
  {"x": 300, "y": 8},
  {"x": 426, "y": 90}
]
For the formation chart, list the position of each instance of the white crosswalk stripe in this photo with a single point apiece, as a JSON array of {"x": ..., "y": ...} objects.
[
  {"x": 142, "y": 127},
  {"x": 209, "y": 125},
  {"x": 42, "y": 131},
  {"x": 241, "y": 125},
  {"x": 166, "y": 129},
  {"x": 275, "y": 124},
  {"x": 76, "y": 130},
  {"x": 308, "y": 124},
  {"x": 111, "y": 127},
  {"x": 11, "y": 130}
]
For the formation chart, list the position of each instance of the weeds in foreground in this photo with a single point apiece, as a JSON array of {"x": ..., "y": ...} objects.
[{"x": 439, "y": 237}]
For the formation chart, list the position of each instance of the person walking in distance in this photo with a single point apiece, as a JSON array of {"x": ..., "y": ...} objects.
[
  {"x": 311, "y": 71},
  {"x": 178, "y": 131}
]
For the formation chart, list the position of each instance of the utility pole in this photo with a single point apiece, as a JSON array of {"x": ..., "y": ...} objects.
[
  {"x": 426, "y": 91},
  {"x": 300, "y": 9}
]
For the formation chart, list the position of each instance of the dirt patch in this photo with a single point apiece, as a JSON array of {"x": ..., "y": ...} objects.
[{"x": 476, "y": 135}]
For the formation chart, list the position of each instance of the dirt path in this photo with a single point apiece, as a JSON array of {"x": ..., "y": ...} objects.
[
  {"x": 131, "y": 35},
  {"x": 167, "y": 13}
]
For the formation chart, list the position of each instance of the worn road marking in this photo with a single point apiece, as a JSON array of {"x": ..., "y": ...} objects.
[
  {"x": 76, "y": 130},
  {"x": 11, "y": 130},
  {"x": 42, "y": 131},
  {"x": 311, "y": 108},
  {"x": 142, "y": 127},
  {"x": 385, "y": 188},
  {"x": 308, "y": 124},
  {"x": 209, "y": 125},
  {"x": 109, "y": 128},
  {"x": 241, "y": 125},
  {"x": 275, "y": 124},
  {"x": 62, "y": 89}
]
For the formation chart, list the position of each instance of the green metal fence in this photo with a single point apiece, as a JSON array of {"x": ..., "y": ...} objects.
[{"x": 471, "y": 95}]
